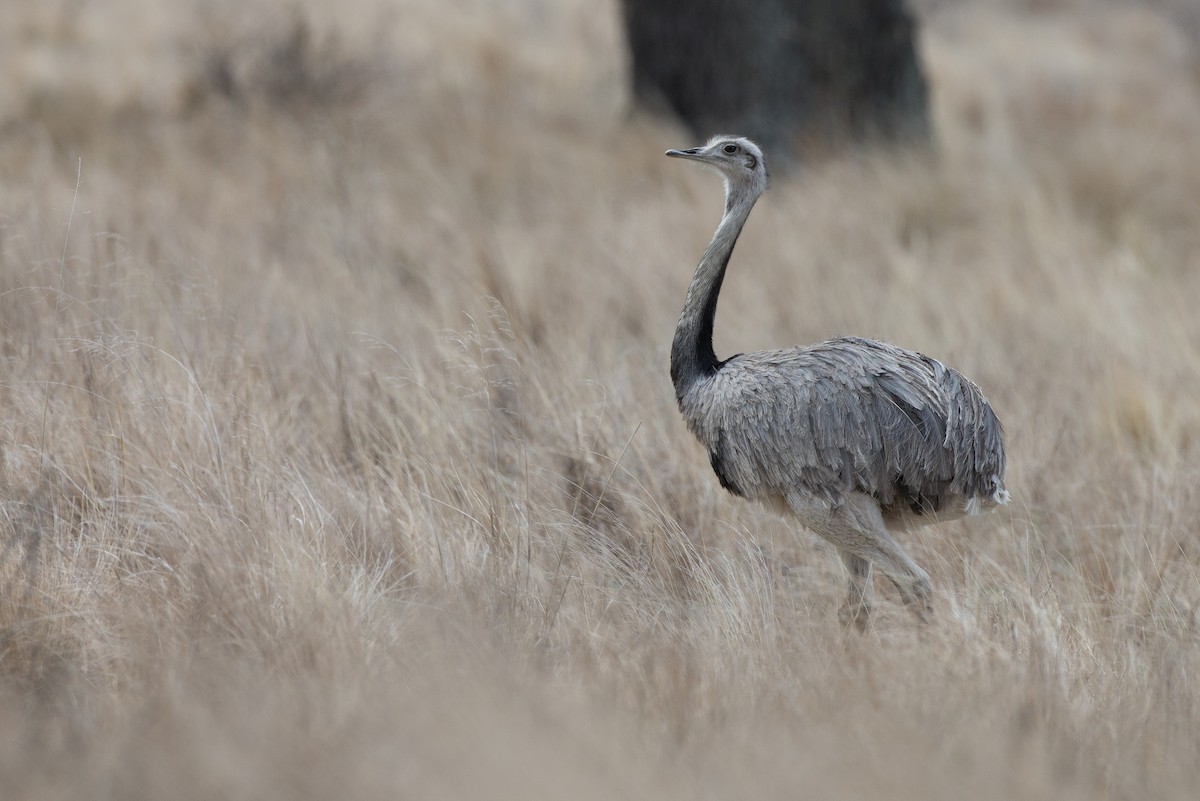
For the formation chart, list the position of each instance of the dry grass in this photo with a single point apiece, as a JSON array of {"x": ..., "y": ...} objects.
[{"x": 338, "y": 456}]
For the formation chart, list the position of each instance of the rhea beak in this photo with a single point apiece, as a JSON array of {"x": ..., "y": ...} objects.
[{"x": 690, "y": 153}]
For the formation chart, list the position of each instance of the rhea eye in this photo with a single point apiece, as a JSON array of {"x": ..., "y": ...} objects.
[{"x": 730, "y": 149}]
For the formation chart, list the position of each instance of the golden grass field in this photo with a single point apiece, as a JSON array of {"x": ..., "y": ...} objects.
[{"x": 339, "y": 459}]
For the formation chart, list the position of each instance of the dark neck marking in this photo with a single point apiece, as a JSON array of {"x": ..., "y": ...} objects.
[{"x": 692, "y": 355}]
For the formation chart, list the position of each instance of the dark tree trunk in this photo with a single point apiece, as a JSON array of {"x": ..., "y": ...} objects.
[{"x": 782, "y": 72}]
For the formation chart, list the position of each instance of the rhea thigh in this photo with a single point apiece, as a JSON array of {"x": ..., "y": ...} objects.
[{"x": 853, "y": 523}]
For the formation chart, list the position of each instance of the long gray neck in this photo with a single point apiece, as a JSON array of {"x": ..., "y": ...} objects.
[{"x": 692, "y": 356}]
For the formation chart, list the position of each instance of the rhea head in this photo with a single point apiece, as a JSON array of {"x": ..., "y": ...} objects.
[{"x": 736, "y": 158}]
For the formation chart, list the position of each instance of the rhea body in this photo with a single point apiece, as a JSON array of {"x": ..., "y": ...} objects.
[{"x": 854, "y": 438}]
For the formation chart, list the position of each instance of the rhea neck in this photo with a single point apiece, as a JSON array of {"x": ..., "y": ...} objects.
[{"x": 692, "y": 356}]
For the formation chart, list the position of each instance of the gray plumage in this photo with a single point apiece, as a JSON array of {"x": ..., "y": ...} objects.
[{"x": 852, "y": 436}]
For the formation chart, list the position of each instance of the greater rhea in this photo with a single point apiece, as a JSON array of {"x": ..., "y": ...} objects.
[{"x": 852, "y": 437}]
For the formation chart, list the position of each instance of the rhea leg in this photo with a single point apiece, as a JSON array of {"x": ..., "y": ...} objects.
[
  {"x": 855, "y": 526},
  {"x": 856, "y": 610}
]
